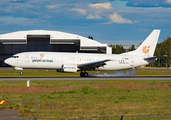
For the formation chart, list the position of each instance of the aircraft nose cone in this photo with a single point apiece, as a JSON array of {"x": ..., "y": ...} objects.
[{"x": 6, "y": 61}]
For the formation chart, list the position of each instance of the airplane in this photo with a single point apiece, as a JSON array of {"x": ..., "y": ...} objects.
[{"x": 74, "y": 62}]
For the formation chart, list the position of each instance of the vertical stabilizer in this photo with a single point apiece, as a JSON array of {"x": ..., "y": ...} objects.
[{"x": 147, "y": 48}]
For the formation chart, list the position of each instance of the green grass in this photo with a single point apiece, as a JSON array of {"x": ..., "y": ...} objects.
[
  {"x": 88, "y": 99},
  {"x": 53, "y": 73},
  {"x": 37, "y": 73},
  {"x": 153, "y": 73}
]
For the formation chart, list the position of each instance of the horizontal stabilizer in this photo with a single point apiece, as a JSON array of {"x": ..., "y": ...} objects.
[{"x": 149, "y": 58}]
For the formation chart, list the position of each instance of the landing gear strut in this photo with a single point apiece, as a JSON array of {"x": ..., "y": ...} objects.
[{"x": 84, "y": 74}]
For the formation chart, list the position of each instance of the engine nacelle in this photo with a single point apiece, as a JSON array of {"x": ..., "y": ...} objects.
[
  {"x": 68, "y": 68},
  {"x": 18, "y": 68}
]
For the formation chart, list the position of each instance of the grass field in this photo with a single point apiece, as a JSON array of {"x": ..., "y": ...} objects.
[
  {"x": 53, "y": 73},
  {"x": 136, "y": 100},
  {"x": 88, "y": 99}
]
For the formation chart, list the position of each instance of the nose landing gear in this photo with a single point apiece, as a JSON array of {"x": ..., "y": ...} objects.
[{"x": 21, "y": 73}]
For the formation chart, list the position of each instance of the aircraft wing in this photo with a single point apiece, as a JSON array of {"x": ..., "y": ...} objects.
[{"x": 92, "y": 65}]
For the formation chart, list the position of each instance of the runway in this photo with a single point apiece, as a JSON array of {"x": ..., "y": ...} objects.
[{"x": 89, "y": 79}]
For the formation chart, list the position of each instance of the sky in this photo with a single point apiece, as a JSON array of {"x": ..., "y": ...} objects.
[{"x": 123, "y": 22}]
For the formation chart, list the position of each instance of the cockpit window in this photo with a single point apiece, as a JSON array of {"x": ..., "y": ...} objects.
[{"x": 14, "y": 56}]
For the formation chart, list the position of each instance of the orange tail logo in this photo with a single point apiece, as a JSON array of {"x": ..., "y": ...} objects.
[
  {"x": 42, "y": 55},
  {"x": 146, "y": 49}
]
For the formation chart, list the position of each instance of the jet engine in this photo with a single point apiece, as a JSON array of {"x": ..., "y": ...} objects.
[
  {"x": 18, "y": 68},
  {"x": 68, "y": 68}
]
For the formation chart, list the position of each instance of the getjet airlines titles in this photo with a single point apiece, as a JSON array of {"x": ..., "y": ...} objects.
[{"x": 73, "y": 62}]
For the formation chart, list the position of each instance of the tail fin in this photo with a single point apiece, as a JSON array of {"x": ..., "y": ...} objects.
[{"x": 147, "y": 48}]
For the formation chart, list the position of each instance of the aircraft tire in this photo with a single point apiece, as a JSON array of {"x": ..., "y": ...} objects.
[
  {"x": 82, "y": 74},
  {"x": 21, "y": 73},
  {"x": 85, "y": 74}
]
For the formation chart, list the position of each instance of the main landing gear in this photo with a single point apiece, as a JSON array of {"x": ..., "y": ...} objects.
[{"x": 84, "y": 74}]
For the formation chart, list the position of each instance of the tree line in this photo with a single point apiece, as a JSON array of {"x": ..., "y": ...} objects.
[
  {"x": 117, "y": 49},
  {"x": 163, "y": 48}
]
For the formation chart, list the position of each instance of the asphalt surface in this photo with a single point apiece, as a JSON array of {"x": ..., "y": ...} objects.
[
  {"x": 89, "y": 79},
  {"x": 10, "y": 114}
]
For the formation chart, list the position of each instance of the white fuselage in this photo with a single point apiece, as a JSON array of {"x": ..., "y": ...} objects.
[{"x": 55, "y": 60}]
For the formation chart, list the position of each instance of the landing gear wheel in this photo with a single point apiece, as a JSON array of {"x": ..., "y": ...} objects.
[
  {"x": 84, "y": 74},
  {"x": 21, "y": 73}
]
